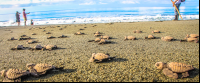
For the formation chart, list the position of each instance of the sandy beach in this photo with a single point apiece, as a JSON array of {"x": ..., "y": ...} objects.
[{"x": 134, "y": 60}]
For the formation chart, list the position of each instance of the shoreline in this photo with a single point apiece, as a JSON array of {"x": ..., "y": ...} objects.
[{"x": 134, "y": 60}]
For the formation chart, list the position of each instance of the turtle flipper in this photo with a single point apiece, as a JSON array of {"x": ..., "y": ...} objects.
[
  {"x": 185, "y": 74},
  {"x": 169, "y": 73}
]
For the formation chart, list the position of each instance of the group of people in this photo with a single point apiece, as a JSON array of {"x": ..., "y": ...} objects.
[{"x": 25, "y": 18}]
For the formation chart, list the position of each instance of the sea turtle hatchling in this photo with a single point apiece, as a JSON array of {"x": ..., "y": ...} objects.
[
  {"x": 24, "y": 38},
  {"x": 137, "y": 31},
  {"x": 96, "y": 40},
  {"x": 99, "y": 57},
  {"x": 62, "y": 36},
  {"x": 12, "y": 38},
  {"x": 31, "y": 41},
  {"x": 155, "y": 31},
  {"x": 33, "y": 33},
  {"x": 190, "y": 39},
  {"x": 78, "y": 33},
  {"x": 103, "y": 41},
  {"x": 48, "y": 33},
  {"x": 167, "y": 38},
  {"x": 97, "y": 35},
  {"x": 40, "y": 69},
  {"x": 150, "y": 37},
  {"x": 18, "y": 47},
  {"x": 13, "y": 75},
  {"x": 192, "y": 35},
  {"x": 49, "y": 47},
  {"x": 37, "y": 47},
  {"x": 171, "y": 69},
  {"x": 106, "y": 37},
  {"x": 50, "y": 37},
  {"x": 129, "y": 38}
]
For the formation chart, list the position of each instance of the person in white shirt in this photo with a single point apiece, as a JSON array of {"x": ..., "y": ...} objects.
[{"x": 177, "y": 4}]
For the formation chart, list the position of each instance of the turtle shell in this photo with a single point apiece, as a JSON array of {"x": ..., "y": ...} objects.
[
  {"x": 97, "y": 39},
  {"x": 156, "y": 31},
  {"x": 50, "y": 47},
  {"x": 101, "y": 56},
  {"x": 15, "y": 73},
  {"x": 130, "y": 37},
  {"x": 38, "y": 47},
  {"x": 191, "y": 39},
  {"x": 41, "y": 67},
  {"x": 105, "y": 37},
  {"x": 179, "y": 67},
  {"x": 19, "y": 47},
  {"x": 97, "y": 32},
  {"x": 151, "y": 36},
  {"x": 167, "y": 38},
  {"x": 193, "y": 35},
  {"x": 137, "y": 31}
]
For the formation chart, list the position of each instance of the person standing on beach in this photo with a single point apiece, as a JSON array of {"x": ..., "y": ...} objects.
[
  {"x": 177, "y": 4},
  {"x": 24, "y": 15},
  {"x": 18, "y": 18}
]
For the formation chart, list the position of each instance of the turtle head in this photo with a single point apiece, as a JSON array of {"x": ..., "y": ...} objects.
[
  {"x": 187, "y": 36},
  {"x": 3, "y": 73},
  {"x": 92, "y": 58},
  {"x": 125, "y": 38},
  {"x": 152, "y": 31},
  {"x": 30, "y": 65},
  {"x": 160, "y": 65}
]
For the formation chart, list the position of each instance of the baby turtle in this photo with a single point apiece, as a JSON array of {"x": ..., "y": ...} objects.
[
  {"x": 129, "y": 38},
  {"x": 49, "y": 47},
  {"x": 103, "y": 41},
  {"x": 96, "y": 40},
  {"x": 167, "y": 38},
  {"x": 192, "y": 35},
  {"x": 137, "y": 31},
  {"x": 171, "y": 69},
  {"x": 106, "y": 37},
  {"x": 33, "y": 33},
  {"x": 99, "y": 57},
  {"x": 24, "y": 38},
  {"x": 40, "y": 69},
  {"x": 50, "y": 37},
  {"x": 31, "y": 41},
  {"x": 97, "y": 35},
  {"x": 61, "y": 29},
  {"x": 48, "y": 33},
  {"x": 13, "y": 75},
  {"x": 12, "y": 38},
  {"x": 150, "y": 37},
  {"x": 190, "y": 39},
  {"x": 62, "y": 36},
  {"x": 37, "y": 47},
  {"x": 44, "y": 30},
  {"x": 155, "y": 31},
  {"x": 18, "y": 47},
  {"x": 78, "y": 33}
]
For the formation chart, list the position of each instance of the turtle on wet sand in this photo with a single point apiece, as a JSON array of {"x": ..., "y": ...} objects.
[
  {"x": 192, "y": 35},
  {"x": 49, "y": 47},
  {"x": 24, "y": 38},
  {"x": 13, "y": 75},
  {"x": 190, "y": 39},
  {"x": 18, "y": 47},
  {"x": 40, "y": 69},
  {"x": 129, "y": 38},
  {"x": 97, "y": 35},
  {"x": 167, "y": 38},
  {"x": 31, "y": 41},
  {"x": 99, "y": 57},
  {"x": 137, "y": 31},
  {"x": 33, "y": 33},
  {"x": 171, "y": 69},
  {"x": 155, "y": 31},
  {"x": 50, "y": 37},
  {"x": 103, "y": 41},
  {"x": 62, "y": 36},
  {"x": 78, "y": 33}
]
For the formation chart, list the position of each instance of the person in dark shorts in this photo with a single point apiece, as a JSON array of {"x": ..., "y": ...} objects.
[
  {"x": 31, "y": 21},
  {"x": 18, "y": 18}
]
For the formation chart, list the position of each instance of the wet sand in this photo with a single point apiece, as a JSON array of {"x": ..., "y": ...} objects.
[{"x": 134, "y": 60}]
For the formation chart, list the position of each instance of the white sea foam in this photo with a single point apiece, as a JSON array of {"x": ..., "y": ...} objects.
[{"x": 99, "y": 20}]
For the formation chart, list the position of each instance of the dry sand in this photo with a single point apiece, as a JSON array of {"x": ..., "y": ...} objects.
[{"x": 134, "y": 60}]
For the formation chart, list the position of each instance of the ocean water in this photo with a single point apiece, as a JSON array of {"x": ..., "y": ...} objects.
[{"x": 100, "y": 15}]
